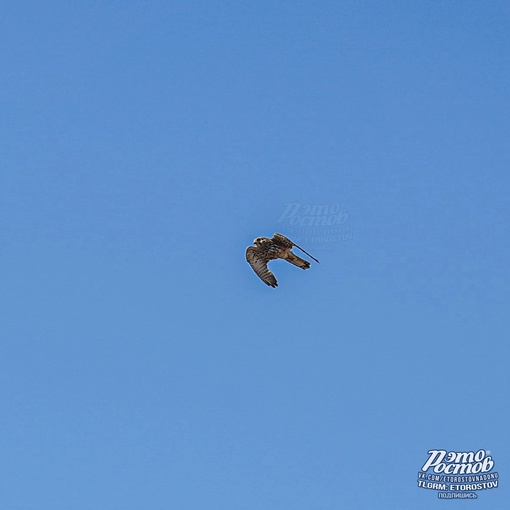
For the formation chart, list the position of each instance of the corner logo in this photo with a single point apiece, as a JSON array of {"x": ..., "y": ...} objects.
[{"x": 458, "y": 475}]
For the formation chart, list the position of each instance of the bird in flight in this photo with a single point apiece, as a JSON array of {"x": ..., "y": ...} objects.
[{"x": 266, "y": 249}]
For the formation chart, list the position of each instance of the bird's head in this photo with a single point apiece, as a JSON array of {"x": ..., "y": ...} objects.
[{"x": 259, "y": 241}]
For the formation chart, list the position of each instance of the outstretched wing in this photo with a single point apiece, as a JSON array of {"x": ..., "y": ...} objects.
[
  {"x": 282, "y": 241},
  {"x": 258, "y": 261},
  {"x": 285, "y": 242}
]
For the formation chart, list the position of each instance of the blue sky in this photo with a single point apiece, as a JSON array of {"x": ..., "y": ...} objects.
[{"x": 144, "y": 145}]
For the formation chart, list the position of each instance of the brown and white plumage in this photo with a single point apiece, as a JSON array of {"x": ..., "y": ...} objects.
[{"x": 266, "y": 249}]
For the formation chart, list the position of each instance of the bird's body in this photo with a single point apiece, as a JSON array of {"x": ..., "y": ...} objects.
[{"x": 267, "y": 249}]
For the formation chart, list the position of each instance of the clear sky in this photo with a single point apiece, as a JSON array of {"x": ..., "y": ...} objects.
[{"x": 144, "y": 145}]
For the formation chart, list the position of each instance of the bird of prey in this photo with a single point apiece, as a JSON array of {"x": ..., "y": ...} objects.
[{"x": 266, "y": 249}]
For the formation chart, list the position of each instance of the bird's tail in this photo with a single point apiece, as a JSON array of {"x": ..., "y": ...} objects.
[{"x": 297, "y": 261}]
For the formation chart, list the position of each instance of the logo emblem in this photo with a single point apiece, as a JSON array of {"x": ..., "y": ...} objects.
[{"x": 458, "y": 475}]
